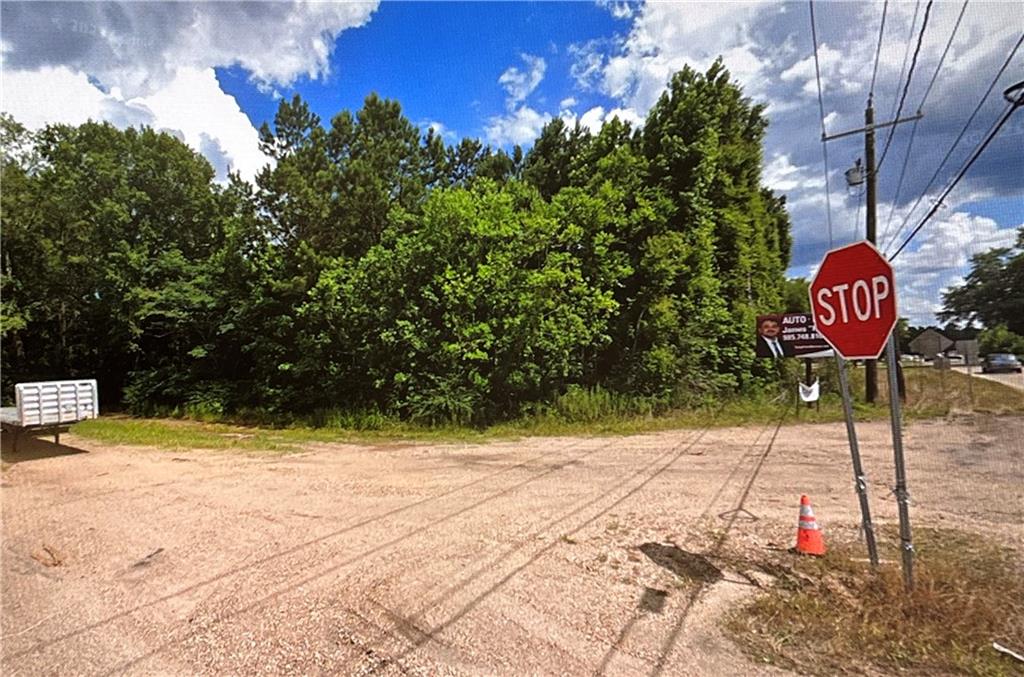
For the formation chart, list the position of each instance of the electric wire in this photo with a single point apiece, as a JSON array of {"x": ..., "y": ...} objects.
[
  {"x": 878, "y": 50},
  {"x": 963, "y": 170},
  {"x": 956, "y": 142},
  {"x": 913, "y": 130},
  {"x": 906, "y": 84},
  {"x": 942, "y": 59},
  {"x": 821, "y": 112}
]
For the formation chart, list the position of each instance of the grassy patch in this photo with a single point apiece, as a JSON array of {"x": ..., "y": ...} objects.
[
  {"x": 180, "y": 435},
  {"x": 184, "y": 434},
  {"x": 834, "y": 614}
]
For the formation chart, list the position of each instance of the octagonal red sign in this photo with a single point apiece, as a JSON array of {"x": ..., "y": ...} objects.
[{"x": 853, "y": 300}]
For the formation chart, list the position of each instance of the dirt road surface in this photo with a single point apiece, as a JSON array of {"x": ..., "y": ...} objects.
[{"x": 539, "y": 556}]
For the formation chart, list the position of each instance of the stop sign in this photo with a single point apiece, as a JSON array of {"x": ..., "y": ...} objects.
[{"x": 853, "y": 300}]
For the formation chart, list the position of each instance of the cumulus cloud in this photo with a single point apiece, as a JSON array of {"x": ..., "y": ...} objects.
[
  {"x": 782, "y": 176},
  {"x": 439, "y": 129},
  {"x": 620, "y": 9},
  {"x": 191, "y": 106},
  {"x": 139, "y": 47},
  {"x": 520, "y": 126},
  {"x": 152, "y": 63},
  {"x": 519, "y": 84},
  {"x": 666, "y": 36},
  {"x": 588, "y": 63},
  {"x": 596, "y": 117},
  {"x": 942, "y": 260}
]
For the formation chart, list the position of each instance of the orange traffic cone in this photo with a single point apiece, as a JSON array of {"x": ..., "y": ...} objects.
[{"x": 809, "y": 540}]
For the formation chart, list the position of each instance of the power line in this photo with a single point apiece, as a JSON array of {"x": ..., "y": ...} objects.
[
  {"x": 821, "y": 112},
  {"x": 956, "y": 142},
  {"x": 963, "y": 170},
  {"x": 942, "y": 59},
  {"x": 878, "y": 50},
  {"x": 906, "y": 85},
  {"x": 913, "y": 130}
]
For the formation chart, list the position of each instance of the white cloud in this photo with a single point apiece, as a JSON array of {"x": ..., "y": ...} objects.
[
  {"x": 520, "y": 126},
  {"x": 596, "y": 117},
  {"x": 839, "y": 71},
  {"x": 152, "y": 63},
  {"x": 439, "y": 129},
  {"x": 620, "y": 9},
  {"x": 665, "y": 37},
  {"x": 194, "y": 103},
  {"x": 782, "y": 176},
  {"x": 520, "y": 84},
  {"x": 191, "y": 106},
  {"x": 139, "y": 47},
  {"x": 626, "y": 115},
  {"x": 567, "y": 104},
  {"x": 588, "y": 62},
  {"x": 53, "y": 95},
  {"x": 940, "y": 257},
  {"x": 593, "y": 119}
]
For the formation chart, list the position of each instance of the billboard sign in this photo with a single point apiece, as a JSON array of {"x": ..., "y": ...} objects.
[{"x": 790, "y": 335}]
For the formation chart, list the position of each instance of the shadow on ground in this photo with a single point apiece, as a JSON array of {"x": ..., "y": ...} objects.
[
  {"x": 688, "y": 565},
  {"x": 32, "y": 448}
]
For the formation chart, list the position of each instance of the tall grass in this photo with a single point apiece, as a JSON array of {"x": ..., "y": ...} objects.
[{"x": 579, "y": 411}]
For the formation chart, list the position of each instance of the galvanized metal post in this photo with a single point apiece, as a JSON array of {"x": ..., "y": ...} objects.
[
  {"x": 906, "y": 543},
  {"x": 858, "y": 470}
]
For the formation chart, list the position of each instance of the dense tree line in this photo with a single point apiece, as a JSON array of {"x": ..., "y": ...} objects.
[{"x": 373, "y": 267}]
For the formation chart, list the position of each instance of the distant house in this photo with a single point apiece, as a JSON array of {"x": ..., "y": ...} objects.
[{"x": 930, "y": 343}]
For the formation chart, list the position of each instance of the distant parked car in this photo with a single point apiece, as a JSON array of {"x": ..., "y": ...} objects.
[
  {"x": 997, "y": 362},
  {"x": 956, "y": 359}
]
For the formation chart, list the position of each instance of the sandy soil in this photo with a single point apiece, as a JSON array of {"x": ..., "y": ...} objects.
[{"x": 541, "y": 556}]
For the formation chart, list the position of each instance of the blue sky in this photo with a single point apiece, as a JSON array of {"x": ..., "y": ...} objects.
[
  {"x": 440, "y": 63},
  {"x": 212, "y": 73}
]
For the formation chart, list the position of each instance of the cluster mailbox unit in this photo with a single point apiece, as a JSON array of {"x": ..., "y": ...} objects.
[{"x": 50, "y": 407}]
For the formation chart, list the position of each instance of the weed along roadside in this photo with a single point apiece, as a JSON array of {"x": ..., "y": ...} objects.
[{"x": 839, "y": 614}]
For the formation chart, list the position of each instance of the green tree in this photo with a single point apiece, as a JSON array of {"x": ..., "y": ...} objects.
[
  {"x": 999, "y": 339},
  {"x": 795, "y": 296},
  {"x": 106, "y": 243},
  {"x": 993, "y": 292}
]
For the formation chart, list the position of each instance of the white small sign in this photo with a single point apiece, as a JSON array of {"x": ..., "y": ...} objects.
[{"x": 809, "y": 393}]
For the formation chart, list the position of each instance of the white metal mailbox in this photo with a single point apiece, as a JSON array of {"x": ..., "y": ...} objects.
[
  {"x": 49, "y": 406},
  {"x": 55, "y": 402}
]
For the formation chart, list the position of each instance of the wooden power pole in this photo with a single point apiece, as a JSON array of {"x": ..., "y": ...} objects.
[{"x": 871, "y": 368}]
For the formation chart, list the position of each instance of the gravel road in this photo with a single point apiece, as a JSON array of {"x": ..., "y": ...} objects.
[{"x": 536, "y": 556}]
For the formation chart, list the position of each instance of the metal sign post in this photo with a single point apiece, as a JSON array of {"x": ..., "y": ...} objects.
[
  {"x": 858, "y": 469},
  {"x": 906, "y": 543},
  {"x": 853, "y": 301}
]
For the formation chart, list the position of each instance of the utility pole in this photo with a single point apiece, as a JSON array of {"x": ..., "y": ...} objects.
[{"x": 871, "y": 367}]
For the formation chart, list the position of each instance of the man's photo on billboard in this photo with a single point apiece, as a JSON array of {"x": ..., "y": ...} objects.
[{"x": 769, "y": 338}]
